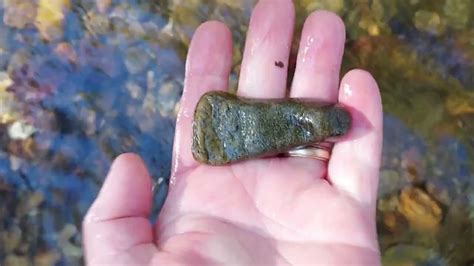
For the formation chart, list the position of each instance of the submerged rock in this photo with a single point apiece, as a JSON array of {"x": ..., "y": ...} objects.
[
  {"x": 421, "y": 211},
  {"x": 429, "y": 21},
  {"x": 50, "y": 17},
  {"x": 20, "y": 130},
  {"x": 19, "y": 13},
  {"x": 228, "y": 128},
  {"x": 406, "y": 254}
]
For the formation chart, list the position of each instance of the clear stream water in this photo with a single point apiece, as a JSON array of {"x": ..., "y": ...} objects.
[{"x": 83, "y": 81}]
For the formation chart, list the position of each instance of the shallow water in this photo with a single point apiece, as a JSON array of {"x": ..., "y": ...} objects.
[{"x": 90, "y": 80}]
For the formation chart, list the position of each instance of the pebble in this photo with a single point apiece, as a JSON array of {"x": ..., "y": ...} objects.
[
  {"x": 394, "y": 222},
  {"x": 50, "y": 17},
  {"x": 135, "y": 90},
  {"x": 422, "y": 212},
  {"x": 20, "y": 130},
  {"x": 5, "y": 39},
  {"x": 229, "y": 129},
  {"x": 19, "y": 59},
  {"x": 65, "y": 236},
  {"x": 97, "y": 23},
  {"x": 19, "y": 13},
  {"x": 169, "y": 93},
  {"x": 390, "y": 182},
  {"x": 89, "y": 116},
  {"x": 441, "y": 190},
  {"x": 5, "y": 81},
  {"x": 66, "y": 51},
  {"x": 373, "y": 30},
  {"x": 15, "y": 162},
  {"x": 105, "y": 58},
  {"x": 103, "y": 5},
  {"x": 11, "y": 238},
  {"x": 413, "y": 167},
  {"x": 16, "y": 260},
  {"x": 460, "y": 103},
  {"x": 136, "y": 30},
  {"x": 428, "y": 21},
  {"x": 388, "y": 204},
  {"x": 136, "y": 59},
  {"x": 9, "y": 110},
  {"x": 47, "y": 258},
  {"x": 457, "y": 12},
  {"x": 29, "y": 204},
  {"x": 406, "y": 254}
]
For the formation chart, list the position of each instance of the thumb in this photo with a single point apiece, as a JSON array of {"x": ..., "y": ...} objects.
[
  {"x": 117, "y": 222},
  {"x": 355, "y": 161}
]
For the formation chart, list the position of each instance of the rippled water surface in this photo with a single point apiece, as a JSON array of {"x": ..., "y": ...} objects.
[{"x": 83, "y": 81}]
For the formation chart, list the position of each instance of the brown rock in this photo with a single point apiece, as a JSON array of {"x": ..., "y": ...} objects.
[
  {"x": 228, "y": 128},
  {"x": 422, "y": 212},
  {"x": 394, "y": 221}
]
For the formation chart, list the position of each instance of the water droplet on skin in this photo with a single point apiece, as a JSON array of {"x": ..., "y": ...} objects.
[
  {"x": 187, "y": 113},
  {"x": 172, "y": 181},
  {"x": 175, "y": 164},
  {"x": 309, "y": 41},
  {"x": 310, "y": 45},
  {"x": 255, "y": 45},
  {"x": 305, "y": 52},
  {"x": 91, "y": 217},
  {"x": 347, "y": 90}
]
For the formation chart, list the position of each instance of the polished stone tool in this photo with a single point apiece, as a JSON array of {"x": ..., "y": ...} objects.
[{"x": 228, "y": 128}]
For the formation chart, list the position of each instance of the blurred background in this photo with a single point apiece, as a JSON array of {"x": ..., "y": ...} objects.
[{"x": 82, "y": 81}]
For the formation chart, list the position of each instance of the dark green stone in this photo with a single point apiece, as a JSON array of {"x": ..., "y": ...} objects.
[{"x": 228, "y": 128}]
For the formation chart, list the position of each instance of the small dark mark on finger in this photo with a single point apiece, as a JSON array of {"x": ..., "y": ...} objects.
[{"x": 279, "y": 64}]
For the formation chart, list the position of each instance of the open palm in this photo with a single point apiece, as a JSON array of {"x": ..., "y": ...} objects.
[{"x": 260, "y": 212}]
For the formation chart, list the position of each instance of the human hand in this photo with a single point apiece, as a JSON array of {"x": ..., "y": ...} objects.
[{"x": 261, "y": 212}]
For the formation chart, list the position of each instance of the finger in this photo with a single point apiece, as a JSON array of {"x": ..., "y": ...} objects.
[
  {"x": 118, "y": 219},
  {"x": 207, "y": 68},
  {"x": 267, "y": 48},
  {"x": 355, "y": 161},
  {"x": 319, "y": 57},
  {"x": 318, "y": 64}
]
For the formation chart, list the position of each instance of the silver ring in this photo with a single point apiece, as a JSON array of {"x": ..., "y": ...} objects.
[{"x": 319, "y": 151}]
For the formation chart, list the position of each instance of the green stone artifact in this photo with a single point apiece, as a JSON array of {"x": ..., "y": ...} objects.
[{"x": 228, "y": 128}]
